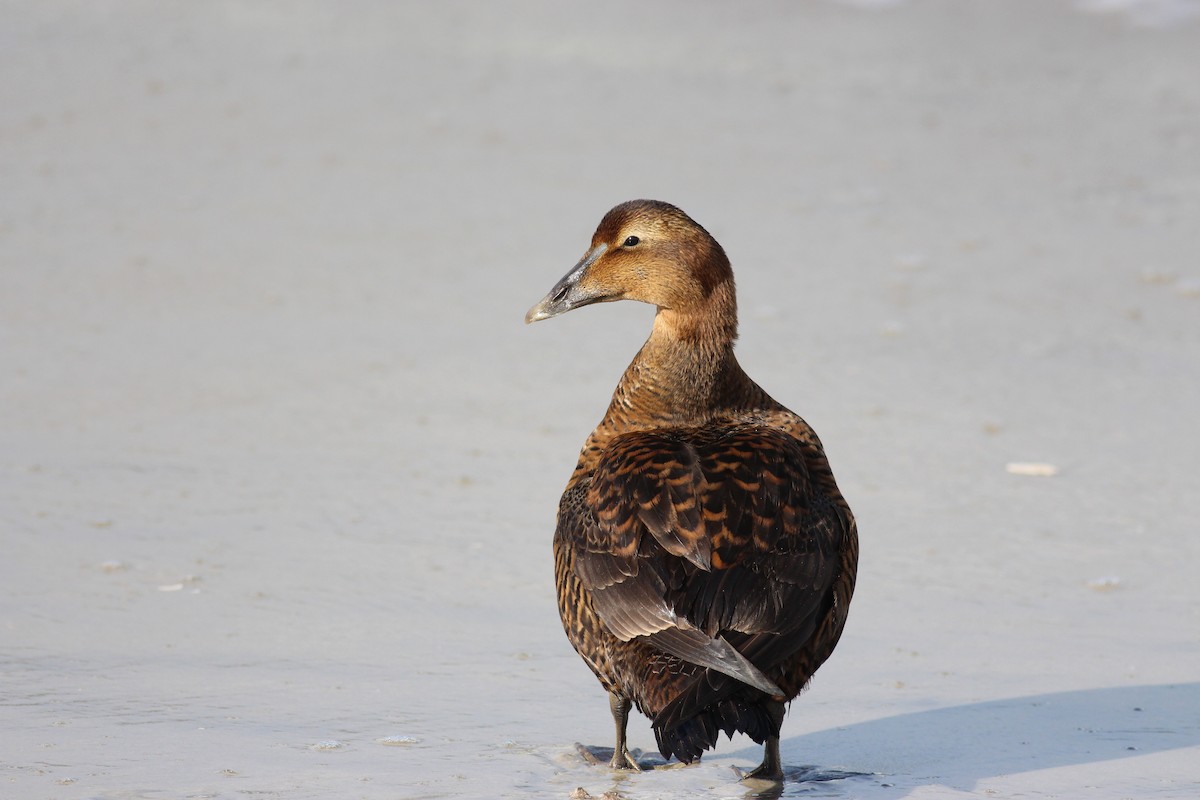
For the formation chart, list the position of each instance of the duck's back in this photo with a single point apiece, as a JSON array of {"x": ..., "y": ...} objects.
[{"x": 705, "y": 570}]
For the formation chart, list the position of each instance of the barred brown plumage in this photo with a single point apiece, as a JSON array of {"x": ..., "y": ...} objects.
[{"x": 704, "y": 557}]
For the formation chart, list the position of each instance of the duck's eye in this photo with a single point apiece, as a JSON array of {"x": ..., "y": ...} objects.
[{"x": 631, "y": 241}]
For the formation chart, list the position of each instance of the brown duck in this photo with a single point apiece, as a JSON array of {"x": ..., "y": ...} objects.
[{"x": 704, "y": 556}]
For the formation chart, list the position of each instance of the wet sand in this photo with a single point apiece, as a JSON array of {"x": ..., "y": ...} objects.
[{"x": 279, "y": 461}]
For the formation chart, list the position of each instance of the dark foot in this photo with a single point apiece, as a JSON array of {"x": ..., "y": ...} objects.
[
  {"x": 764, "y": 772},
  {"x": 622, "y": 760},
  {"x": 620, "y": 712},
  {"x": 772, "y": 768}
]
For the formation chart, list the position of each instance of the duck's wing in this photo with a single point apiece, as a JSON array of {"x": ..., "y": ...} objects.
[
  {"x": 803, "y": 641},
  {"x": 626, "y": 573},
  {"x": 689, "y": 537}
]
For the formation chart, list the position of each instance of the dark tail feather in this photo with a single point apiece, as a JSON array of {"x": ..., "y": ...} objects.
[{"x": 691, "y": 737}]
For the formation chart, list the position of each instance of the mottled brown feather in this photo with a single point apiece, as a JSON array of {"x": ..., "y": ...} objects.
[{"x": 704, "y": 557}]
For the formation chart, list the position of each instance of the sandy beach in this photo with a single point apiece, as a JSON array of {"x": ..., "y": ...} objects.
[{"x": 279, "y": 460}]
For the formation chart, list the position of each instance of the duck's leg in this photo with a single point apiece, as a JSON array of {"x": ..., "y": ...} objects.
[
  {"x": 620, "y": 711},
  {"x": 771, "y": 768}
]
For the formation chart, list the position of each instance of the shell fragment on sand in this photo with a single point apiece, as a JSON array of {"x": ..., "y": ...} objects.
[{"x": 1035, "y": 469}]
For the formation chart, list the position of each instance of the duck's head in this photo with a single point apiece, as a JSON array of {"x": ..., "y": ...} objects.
[{"x": 649, "y": 251}]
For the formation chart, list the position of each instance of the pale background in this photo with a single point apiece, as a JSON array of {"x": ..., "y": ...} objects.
[{"x": 279, "y": 460}]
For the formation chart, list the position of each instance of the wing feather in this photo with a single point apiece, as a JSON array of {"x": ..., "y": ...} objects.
[{"x": 683, "y": 536}]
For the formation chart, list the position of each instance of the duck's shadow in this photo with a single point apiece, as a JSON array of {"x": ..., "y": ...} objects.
[
  {"x": 794, "y": 776},
  {"x": 755, "y": 789},
  {"x": 961, "y": 745},
  {"x": 602, "y": 756}
]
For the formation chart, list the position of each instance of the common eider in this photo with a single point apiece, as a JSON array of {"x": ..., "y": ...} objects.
[{"x": 704, "y": 557}]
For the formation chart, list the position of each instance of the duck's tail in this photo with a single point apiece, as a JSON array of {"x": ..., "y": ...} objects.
[{"x": 686, "y": 739}]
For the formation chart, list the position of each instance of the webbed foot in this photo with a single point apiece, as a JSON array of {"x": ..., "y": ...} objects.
[
  {"x": 623, "y": 760},
  {"x": 771, "y": 768},
  {"x": 764, "y": 772}
]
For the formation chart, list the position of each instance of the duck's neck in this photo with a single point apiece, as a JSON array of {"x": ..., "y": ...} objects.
[{"x": 686, "y": 372}]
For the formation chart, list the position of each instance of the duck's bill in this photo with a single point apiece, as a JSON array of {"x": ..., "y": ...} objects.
[{"x": 570, "y": 292}]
